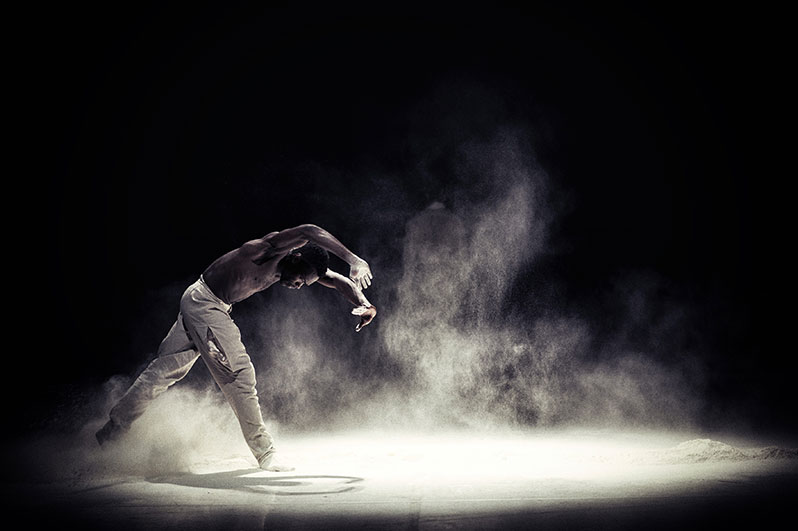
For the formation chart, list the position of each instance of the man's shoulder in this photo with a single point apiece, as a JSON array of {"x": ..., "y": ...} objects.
[{"x": 260, "y": 251}]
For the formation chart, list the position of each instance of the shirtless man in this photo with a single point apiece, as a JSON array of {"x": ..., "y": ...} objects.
[{"x": 294, "y": 257}]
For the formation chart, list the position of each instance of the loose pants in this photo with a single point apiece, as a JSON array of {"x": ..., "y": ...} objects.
[{"x": 203, "y": 328}]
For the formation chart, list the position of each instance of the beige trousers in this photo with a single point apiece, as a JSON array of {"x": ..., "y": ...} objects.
[{"x": 203, "y": 328}]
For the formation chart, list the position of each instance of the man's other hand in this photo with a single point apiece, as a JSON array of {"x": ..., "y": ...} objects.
[{"x": 366, "y": 313}]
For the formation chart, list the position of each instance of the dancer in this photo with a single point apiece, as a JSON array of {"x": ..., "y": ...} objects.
[{"x": 293, "y": 257}]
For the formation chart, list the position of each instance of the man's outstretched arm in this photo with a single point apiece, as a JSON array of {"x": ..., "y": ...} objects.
[
  {"x": 353, "y": 294},
  {"x": 288, "y": 239}
]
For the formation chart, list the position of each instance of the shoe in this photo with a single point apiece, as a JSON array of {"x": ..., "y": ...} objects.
[
  {"x": 110, "y": 432},
  {"x": 271, "y": 462}
]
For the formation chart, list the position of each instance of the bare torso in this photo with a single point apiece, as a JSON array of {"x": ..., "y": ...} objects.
[{"x": 234, "y": 276}]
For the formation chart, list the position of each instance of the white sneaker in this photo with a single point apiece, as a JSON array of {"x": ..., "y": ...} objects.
[{"x": 272, "y": 463}]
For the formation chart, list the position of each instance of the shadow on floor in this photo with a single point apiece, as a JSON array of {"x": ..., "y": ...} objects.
[{"x": 245, "y": 480}]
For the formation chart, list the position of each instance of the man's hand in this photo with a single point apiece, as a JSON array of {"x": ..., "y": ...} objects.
[
  {"x": 366, "y": 313},
  {"x": 360, "y": 273}
]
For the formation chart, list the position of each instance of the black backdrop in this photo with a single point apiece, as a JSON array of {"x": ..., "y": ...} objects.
[{"x": 153, "y": 139}]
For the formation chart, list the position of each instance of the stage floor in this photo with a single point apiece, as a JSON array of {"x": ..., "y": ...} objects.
[{"x": 596, "y": 479}]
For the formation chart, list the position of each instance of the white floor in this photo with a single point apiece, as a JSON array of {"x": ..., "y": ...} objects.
[{"x": 385, "y": 480}]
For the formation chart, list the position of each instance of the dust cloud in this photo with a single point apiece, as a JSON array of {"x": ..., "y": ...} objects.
[{"x": 471, "y": 349}]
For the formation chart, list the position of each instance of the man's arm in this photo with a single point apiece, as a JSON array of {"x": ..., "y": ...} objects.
[
  {"x": 353, "y": 294},
  {"x": 288, "y": 239}
]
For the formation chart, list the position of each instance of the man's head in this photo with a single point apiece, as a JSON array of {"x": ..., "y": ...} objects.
[{"x": 303, "y": 266}]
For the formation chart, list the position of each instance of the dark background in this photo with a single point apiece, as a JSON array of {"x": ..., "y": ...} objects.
[{"x": 154, "y": 139}]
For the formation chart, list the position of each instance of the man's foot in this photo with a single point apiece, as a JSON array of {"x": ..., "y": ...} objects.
[
  {"x": 272, "y": 463},
  {"x": 110, "y": 432}
]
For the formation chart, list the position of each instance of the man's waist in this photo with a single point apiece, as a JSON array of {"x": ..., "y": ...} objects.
[{"x": 204, "y": 284}]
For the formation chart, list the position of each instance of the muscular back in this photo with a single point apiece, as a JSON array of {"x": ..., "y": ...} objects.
[
  {"x": 253, "y": 267},
  {"x": 244, "y": 271}
]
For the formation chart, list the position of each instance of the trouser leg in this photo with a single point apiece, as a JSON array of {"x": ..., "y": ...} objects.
[
  {"x": 176, "y": 356},
  {"x": 219, "y": 342}
]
